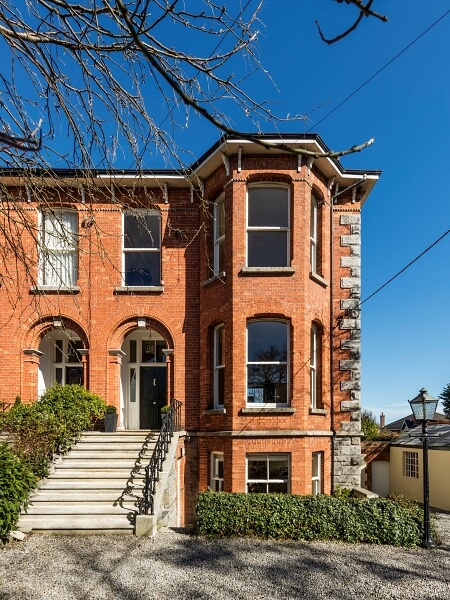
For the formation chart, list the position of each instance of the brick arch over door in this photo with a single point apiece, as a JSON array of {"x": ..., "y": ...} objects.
[
  {"x": 118, "y": 368},
  {"x": 33, "y": 358},
  {"x": 126, "y": 326},
  {"x": 37, "y": 330}
]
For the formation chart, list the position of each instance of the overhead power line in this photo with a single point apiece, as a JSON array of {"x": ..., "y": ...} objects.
[
  {"x": 379, "y": 71},
  {"x": 404, "y": 268}
]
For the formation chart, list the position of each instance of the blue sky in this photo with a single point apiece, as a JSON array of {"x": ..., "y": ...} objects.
[{"x": 406, "y": 108}]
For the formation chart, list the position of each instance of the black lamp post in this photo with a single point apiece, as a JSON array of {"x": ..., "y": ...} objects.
[{"x": 424, "y": 408}]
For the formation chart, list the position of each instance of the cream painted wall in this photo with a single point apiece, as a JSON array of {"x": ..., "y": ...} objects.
[{"x": 439, "y": 480}]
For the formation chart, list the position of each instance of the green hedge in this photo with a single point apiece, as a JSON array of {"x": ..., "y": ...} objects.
[
  {"x": 284, "y": 516},
  {"x": 16, "y": 483}
]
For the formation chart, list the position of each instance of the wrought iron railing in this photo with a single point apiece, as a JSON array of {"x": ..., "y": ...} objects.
[{"x": 171, "y": 421}]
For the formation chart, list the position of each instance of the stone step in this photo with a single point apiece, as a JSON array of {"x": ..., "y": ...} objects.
[
  {"x": 91, "y": 484},
  {"x": 86, "y": 491},
  {"x": 69, "y": 495},
  {"x": 114, "y": 438},
  {"x": 107, "y": 447},
  {"x": 107, "y": 466},
  {"x": 122, "y": 474},
  {"x": 75, "y": 522},
  {"x": 81, "y": 508},
  {"x": 105, "y": 454}
]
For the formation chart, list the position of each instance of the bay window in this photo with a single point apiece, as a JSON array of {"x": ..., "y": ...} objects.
[
  {"x": 219, "y": 366},
  {"x": 219, "y": 236},
  {"x": 267, "y": 363},
  {"x": 268, "y": 226}
]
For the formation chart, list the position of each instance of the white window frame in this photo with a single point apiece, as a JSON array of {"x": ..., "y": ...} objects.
[
  {"x": 58, "y": 265},
  {"x": 219, "y": 239},
  {"x": 267, "y": 480},
  {"x": 313, "y": 366},
  {"x": 156, "y": 249},
  {"x": 268, "y": 228},
  {"x": 64, "y": 345},
  {"x": 411, "y": 464},
  {"x": 316, "y": 473},
  {"x": 275, "y": 363},
  {"x": 314, "y": 234},
  {"x": 216, "y": 480},
  {"x": 219, "y": 367}
]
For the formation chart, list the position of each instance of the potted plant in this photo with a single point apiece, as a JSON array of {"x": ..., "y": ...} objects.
[{"x": 110, "y": 418}]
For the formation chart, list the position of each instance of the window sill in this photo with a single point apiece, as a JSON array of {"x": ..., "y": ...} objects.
[
  {"x": 215, "y": 411},
  {"x": 219, "y": 277},
  {"x": 272, "y": 410},
  {"x": 319, "y": 279},
  {"x": 267, "y": 271},
  {"x": 318, "y": 411},
  {"x": 135, "y": 289},
  {"x": 55, "y": 289}
]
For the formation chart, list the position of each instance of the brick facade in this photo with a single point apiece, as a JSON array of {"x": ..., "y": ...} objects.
[{"x": 183, "y": 309}]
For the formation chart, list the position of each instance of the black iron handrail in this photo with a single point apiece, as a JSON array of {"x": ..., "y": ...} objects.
[{"x": 171, "y": 421}]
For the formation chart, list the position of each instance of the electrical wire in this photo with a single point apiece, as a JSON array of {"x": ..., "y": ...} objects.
[
  {"x": 404, "y": 268},
  {"x": 379, "y": 71}
]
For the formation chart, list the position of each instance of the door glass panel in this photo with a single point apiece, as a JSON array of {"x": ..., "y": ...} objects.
[
  {"x": 74, "y": 375},
  {"x": 58, "y": 351},
  {"x": 159, "y": 345},
  {"x": 59, "y": 375},
  {"x": 148, "y": 351},
  {"x": 132, "y": 356},
  {"x": 72, "y": 351},
  {"x": 132, "y": 385}
]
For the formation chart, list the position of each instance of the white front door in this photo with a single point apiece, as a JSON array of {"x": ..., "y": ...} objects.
[{"x": 144, "y": 380}]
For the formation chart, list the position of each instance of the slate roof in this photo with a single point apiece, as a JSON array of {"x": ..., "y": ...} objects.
[
  {"x": 408, "y": 422},
  {"x": 439, "y": 437}
]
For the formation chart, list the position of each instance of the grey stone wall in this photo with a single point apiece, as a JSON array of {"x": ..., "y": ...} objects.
[{"x": 347, "y": 444}]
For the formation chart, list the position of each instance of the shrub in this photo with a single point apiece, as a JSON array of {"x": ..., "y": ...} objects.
[
  {"x": 283, "y": 516},
  {"x": 39, "y": 430},
  {"x": 16, "y": 483},
  {"x": 75, "y": 409}
]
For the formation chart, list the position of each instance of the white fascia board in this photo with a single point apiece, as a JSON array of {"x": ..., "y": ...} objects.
[{"x": 155, "y": 180}]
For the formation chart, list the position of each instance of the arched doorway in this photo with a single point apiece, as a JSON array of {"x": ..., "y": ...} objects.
[
  {"x": 61, "y": 360},
  {"x": 144, "y": 379}
]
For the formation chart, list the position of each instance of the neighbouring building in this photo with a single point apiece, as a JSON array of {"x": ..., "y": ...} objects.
[
  {"x": 233, "y": 288},
  {"x": 406, "y": 465},
  {"x": 407, "y": 423}
]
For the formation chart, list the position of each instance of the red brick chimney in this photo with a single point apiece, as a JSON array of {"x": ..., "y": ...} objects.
[{"x": 382, "y": 420}]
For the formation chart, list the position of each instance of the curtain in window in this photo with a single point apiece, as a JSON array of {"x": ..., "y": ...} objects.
[{"x": 59, "y": 249}]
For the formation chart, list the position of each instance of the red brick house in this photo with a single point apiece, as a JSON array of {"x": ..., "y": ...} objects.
[{"x": 233, "y": 288}]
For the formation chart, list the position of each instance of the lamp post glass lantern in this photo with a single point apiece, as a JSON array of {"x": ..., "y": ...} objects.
[{"x": 424, "y": 408}]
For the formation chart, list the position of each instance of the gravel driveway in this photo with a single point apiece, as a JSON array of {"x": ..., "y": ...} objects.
[{"x": 177, "y": 566}]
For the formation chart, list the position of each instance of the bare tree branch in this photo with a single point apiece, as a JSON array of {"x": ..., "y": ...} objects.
[
  {"x": 365, "y": 11},
  {"x": 115, "y": 82}
]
